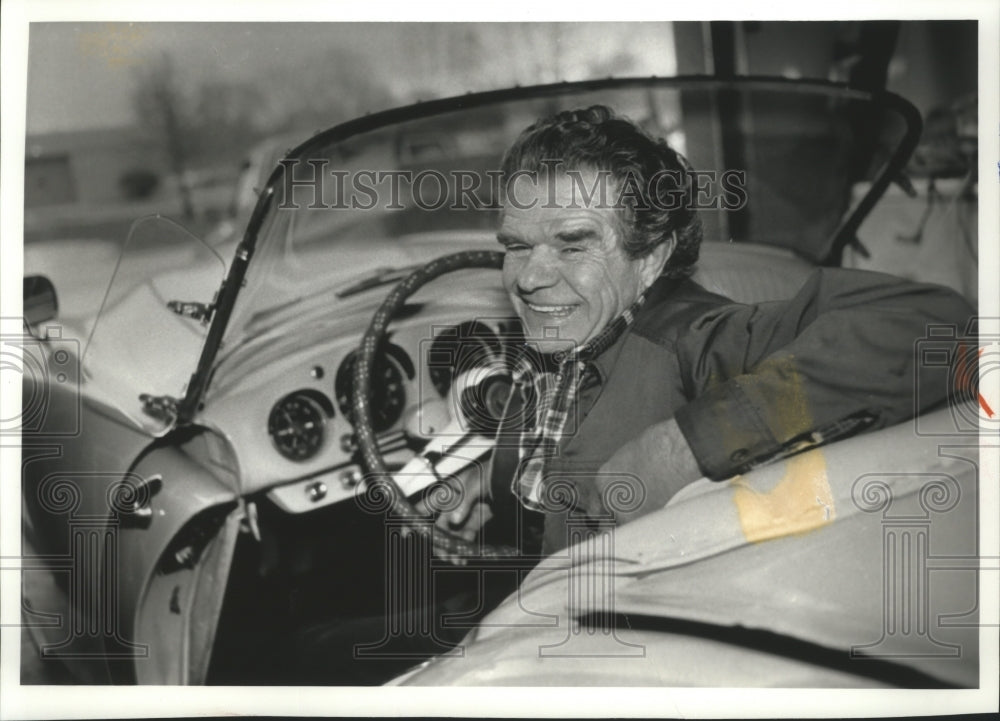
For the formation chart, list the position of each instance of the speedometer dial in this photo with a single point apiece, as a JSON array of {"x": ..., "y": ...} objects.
[
  {"x": 388, "y": 391},
  {"x": 296, "y": 426}
]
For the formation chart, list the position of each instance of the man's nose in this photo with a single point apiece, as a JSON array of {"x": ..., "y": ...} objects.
[{"x": 539, "y": 271}]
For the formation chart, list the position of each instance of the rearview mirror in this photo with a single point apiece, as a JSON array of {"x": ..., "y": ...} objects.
[{"x": 40, "y": 302}]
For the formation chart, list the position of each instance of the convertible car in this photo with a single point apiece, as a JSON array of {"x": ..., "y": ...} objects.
[{"x": 226, "y": 456}]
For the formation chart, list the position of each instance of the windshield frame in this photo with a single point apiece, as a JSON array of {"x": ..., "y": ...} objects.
[{"x": 844, "y": 235}]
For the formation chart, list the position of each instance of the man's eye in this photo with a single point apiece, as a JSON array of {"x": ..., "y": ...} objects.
[
  {"x": 572, "y": 250},
  {"x": 515, "y": 247}
]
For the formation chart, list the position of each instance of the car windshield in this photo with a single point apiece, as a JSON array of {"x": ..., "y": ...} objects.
[{"x": 356, "y": 206}]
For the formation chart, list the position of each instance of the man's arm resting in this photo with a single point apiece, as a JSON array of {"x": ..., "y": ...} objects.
[{"x": 837, "y": 358}]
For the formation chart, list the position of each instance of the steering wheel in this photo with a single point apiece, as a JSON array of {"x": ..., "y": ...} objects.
[{"x": 379, "y": 483}]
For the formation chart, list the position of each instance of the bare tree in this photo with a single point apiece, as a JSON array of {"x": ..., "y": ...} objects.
[
  {"x": 163, "y": 110},
  {"x": 334, "y": 86},
  {"x": 228, "y": 120}
]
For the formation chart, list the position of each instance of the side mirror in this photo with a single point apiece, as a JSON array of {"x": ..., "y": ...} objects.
[{"x": 40, "y": 303}]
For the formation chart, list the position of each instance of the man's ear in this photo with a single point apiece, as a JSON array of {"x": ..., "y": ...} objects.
[{"x": 652, "y": 265}]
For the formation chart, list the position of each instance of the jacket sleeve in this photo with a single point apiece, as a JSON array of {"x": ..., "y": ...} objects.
[{"x": 770, "y": 379}]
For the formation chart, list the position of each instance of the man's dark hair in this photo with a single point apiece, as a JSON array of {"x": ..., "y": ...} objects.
[{"x": 598, "y": 139}]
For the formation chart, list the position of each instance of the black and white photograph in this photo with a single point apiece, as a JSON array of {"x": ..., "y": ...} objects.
[{"x": 387, "y": 362}]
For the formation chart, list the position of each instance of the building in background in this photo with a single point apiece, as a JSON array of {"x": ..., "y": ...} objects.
[{"x": 89, "y": 166}]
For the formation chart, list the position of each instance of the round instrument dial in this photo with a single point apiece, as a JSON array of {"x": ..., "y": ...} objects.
[
  {"x": 388, "y": 391},
  {"x": 296, "y": 426},
  {"x": 459, "y": 349}
]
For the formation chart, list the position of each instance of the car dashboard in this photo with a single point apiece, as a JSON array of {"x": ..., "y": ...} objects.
[{"x": 288, "y": 419}]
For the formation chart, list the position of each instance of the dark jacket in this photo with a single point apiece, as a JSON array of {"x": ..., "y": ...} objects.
[{"x": 748, "y": 383}]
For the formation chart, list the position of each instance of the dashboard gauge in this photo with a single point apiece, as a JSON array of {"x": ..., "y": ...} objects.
[
  {"x": 297, "y": 425},
  {"x": 388, "y": 390},
  {"x": 458, "y": 349}
]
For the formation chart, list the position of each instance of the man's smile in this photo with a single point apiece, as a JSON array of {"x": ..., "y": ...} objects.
[{"x": 554, "y": 311}]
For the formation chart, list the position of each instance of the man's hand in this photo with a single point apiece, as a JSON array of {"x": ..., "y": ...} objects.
[
  {"x": 662, "y": 461},
  {"x": 467, "y": 518}
]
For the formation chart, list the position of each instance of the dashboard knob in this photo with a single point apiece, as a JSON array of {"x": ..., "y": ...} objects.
[
  {"x": 350, "y": 477},
  {"x": 316, "y": 491}
]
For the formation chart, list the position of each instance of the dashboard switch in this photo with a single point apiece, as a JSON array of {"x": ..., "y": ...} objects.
[
  {"x": 350, "y": 478},
  {"x": 316, "y": 491}
]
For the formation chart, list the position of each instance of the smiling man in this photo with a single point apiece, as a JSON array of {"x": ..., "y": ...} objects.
[
  {"x": 566, "y": 269},
  {"x": 638, "y": 374}
]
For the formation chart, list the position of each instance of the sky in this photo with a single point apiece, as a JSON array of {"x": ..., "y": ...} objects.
[{"x": 82, "y": 75}]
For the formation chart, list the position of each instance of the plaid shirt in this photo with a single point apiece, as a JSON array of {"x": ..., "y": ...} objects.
[{"x": 553, "y": 396}]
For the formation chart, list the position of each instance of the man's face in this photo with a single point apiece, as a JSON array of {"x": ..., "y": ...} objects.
[{"x": 565, "y": 269}]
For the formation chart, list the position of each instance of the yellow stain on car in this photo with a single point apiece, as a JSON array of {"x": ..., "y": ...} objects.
[{"x": 800, "y": 502}]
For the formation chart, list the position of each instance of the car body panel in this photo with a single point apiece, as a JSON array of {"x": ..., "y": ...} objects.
[
  {"x": 180, "y": 610},
  {"x": 192, "y": 519},
  {"x": 80, "y": 285},
  {"x": 73, "y": 514},
  {"x": 148, "y": 334},
  {"x": 826, "y": 550}
]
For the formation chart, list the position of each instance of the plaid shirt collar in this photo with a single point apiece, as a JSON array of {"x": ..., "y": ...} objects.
[{"x": 549, "y": 386}]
